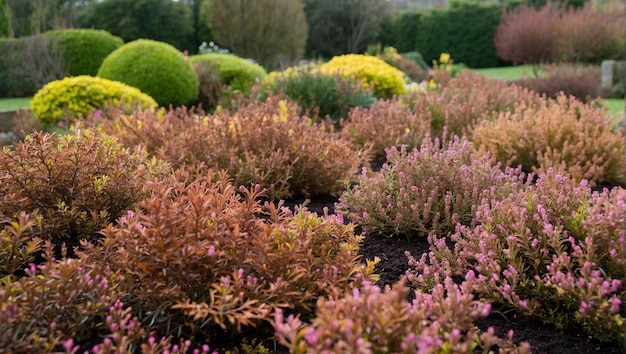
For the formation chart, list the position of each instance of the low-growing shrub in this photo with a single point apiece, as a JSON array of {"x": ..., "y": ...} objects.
[
  {"x": 83, "y": 50},
  {"x": 266, "y": 143},
  {"x": 385, "y": 80},
  {"x": 76, "y": 183},
  {"x": 457, "y": 104},
  {"x": 55, "y": 302},
  {"x": 237, "y": 73},
  {"x": 552, "y": 250},
  {"x": 427, "y": 190},
  {"x": 319, "y": 94},
  {"x": 203, "y": 255},
  {"x": 409, "y": 67},
  {"x": 369, "y": 320},
  {"x": 156, "y": 68},
  {"x": 580, "y": 82},
  {"x": 387, "y": 123},
  {"x": 564, "y": 134},
  {"x": 70, "y": 98}
]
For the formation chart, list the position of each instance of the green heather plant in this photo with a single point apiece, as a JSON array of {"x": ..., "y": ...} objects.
[
  {"x": 387, "y": 123},
  {"x": 564, "y": 134},
  {"x": 321, "y": 95},
  {"x": 76, "y": 183},
  {"x": 370, "y": 320},
  {"x": 156, "y": 68},
  {"x": 427, "y": 190},
  {"x": 68, "y": 99},
  {"x": 553, "y": 250},
  {"x": 201, "y": 255},
  {"x": 266, "y": 143}
]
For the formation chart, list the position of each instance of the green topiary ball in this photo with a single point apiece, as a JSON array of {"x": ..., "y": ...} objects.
[
  {"x": 155, "y": 68},
  {"x": 71, "y": 97},
  {"x": 84, "y": 50},
  {"x": 236, "y": 72}
]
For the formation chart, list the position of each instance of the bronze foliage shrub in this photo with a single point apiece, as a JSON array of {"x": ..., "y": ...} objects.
[
  {"x": 387, "y": 123},
  {"x": 266, "y": 143},
  {"x": 564, "y": 134},
  {"x": 203, "y": 255},
  {"x": 76, "y": 183},
  {"x": 461, "y": 102}
]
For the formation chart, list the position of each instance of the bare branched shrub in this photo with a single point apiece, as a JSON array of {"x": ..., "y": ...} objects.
[{"x": 525, "y": 35}]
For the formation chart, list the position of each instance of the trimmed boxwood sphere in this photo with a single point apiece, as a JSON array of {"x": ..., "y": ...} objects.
[
  {"x": 156, "y": 68},
  {"x": 235, "y": 72},
  {"x": 84, "y": 49}
]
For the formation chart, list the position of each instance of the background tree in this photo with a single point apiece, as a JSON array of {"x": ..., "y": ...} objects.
[
  {"x": 272, "y": 32},
  {"x": 5, "y": 19},
  {"x": 162, "y": 20},
  {"x": 201, "y": 32},
  {"x": 343, "y": 26}
]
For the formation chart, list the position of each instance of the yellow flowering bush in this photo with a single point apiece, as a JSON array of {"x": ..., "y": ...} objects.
[
  {"x": 71, "y": 97},
  {"x": 385, "y": 79}
]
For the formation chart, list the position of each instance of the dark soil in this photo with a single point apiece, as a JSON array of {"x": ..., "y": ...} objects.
[{"x": 393, "y": 264}]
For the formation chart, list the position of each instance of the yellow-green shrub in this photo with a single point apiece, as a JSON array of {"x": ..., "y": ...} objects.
[
  {"x": 71, "y": 97},
  {"x": 385, "y": 79}
]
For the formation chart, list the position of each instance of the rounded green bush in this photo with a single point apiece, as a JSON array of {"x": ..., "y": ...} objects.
[
  {"x": 238, "y": 73},
  {"x": 84, "y": 50},
  {"x": 155, "y": 68},
  {"x": 71, "y": 97}
]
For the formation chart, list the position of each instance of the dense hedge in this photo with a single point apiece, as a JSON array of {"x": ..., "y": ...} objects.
[
  {"x": 28, "y": 63},
  {"x": 156, "y": 68},
  {"x": 84, "y": 50},
  {"x": 407, "y": 25},
  {"x": 464, "y": 29}
]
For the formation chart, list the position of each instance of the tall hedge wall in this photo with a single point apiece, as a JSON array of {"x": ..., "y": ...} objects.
[{"x": 463, "y": 29}]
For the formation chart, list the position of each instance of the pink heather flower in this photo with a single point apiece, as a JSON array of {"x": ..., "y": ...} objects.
[
  {"x": 211, "y": 251},
  {"x": 583, "y": 308},
  {"x": 523, "y": 304},
  {"x": 68, "y": 345},
  {"x": 205, "y": 348},
  {"x": 311, "y": 337},
  {"x": 615, "y": 302}
]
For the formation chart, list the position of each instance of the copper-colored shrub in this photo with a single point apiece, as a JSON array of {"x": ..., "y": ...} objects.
[
  {"x": 76, "y": 183},
  {"x": 565, "y": 134},
  {"x": 203, "y": 254},
  {"x": 266, "y": 143},
  {"x": 386, "y": 124}
]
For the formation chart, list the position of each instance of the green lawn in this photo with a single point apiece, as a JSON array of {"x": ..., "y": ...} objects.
[
  {"x": 9, "y": 104},
  {"x": 507, "y": 73},
  {"x": 615, "y": 106}
]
